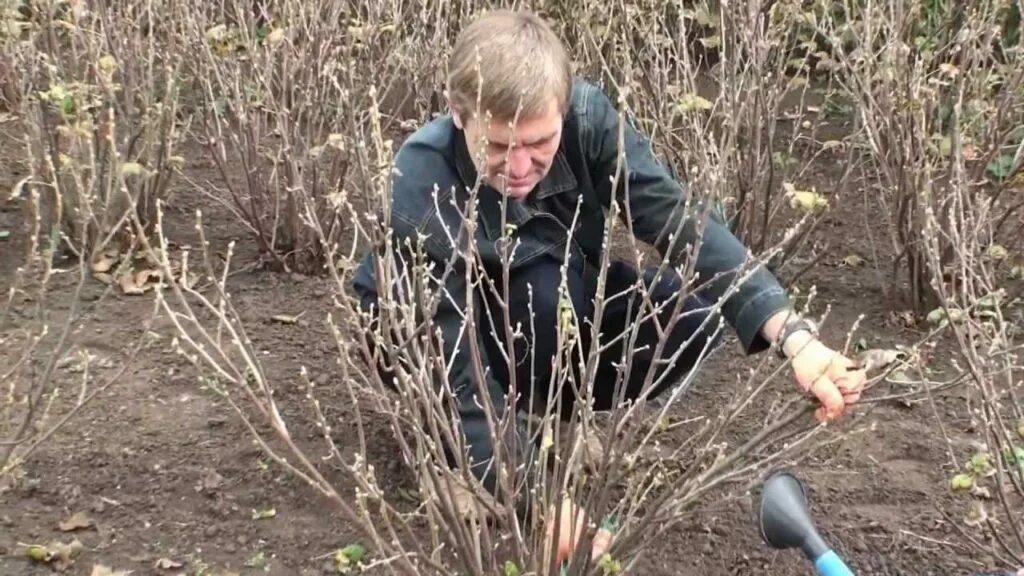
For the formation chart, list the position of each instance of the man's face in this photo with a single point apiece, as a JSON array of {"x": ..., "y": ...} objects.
[{"x": 515, "y": 158}]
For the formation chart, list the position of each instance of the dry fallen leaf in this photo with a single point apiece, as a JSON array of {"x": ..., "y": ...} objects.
[
  {"x": 976, "y": 514},
  {"x": 139, "y": 282},
  {"x": 66, "y": 553},
  {"x": 276, "y": 36},
  {"x": 593, "y": 450},
  {"x": 19, "y": 188},
  {"x": 167, "y": 564},
  {"x": 470, "y": 502},
  {"x": 60, "y": 554},
  {"x": 285, "y": 319},
  {"x": 900, "y": 378},
  {"x": 128, "y": 286},
  {"x": 981, "y": 492},
  {"x": 806, "y": 200},
  {"x": 105, "y": 261},
  {"x": 853, "y": 261},
  {"x": 132, "y": 169},
  {"x": 264, "y": 514},
  {"x": 998, "y": 252},
  {"x": 211, "y": 482},
  {"x": 77, "y": 521},
  {"x": 692, "y": 102},
  {"x": 465, "y": 502},
  {"x": 879, "y": 359},
  {"x": 79, "y": 362},
  {"x": 904, "y": 318},
  {"x": 215, "y": 33},
  {"x": 147, "y": 279}
]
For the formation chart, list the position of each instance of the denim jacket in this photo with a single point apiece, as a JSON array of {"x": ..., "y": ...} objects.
[{"x": 435, "y": 158}]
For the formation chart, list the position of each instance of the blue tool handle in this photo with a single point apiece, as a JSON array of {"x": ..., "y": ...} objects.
[{"x": 829, "y": 564}]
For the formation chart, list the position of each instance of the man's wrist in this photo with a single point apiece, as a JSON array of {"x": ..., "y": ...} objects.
[
  {"x": 797, "y": 342},
  {"x": 795, "y": 335},
  {"x": 789, "y": 333}
]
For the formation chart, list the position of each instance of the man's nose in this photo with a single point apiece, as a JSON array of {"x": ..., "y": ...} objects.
[{"x": 519, "y": 163}]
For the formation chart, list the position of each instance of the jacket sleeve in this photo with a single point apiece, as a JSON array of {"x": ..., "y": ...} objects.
[{"x": 656, "y": 203}]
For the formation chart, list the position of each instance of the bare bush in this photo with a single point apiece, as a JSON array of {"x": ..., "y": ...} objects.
[
  {"x": 643, "y": 487},
  {"x": 10, "y": 31},
  {"x": 47, "y": 377},
  {"x": 95, "y": 93},
  {"x": 985, "y": 321},
  {"x": 277, "y": 81},
  {"x": 542, "y": 458},
  {"x": 264, "y": 82},
  {"x": 283, "y": 92},
  {"x": 941, "y": 113},
  {"x": 733, "y": 95},
  {"x": 922, "y": 75},
  {"x": 100, "y": 89}
]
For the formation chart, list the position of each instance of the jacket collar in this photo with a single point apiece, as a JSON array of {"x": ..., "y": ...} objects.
[{"x": 559, "y": 179}]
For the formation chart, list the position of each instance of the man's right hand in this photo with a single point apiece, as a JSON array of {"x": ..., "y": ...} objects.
[{"x": 830, "y": 376}]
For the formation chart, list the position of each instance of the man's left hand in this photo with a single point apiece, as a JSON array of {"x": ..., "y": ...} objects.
[
  {"x": 835, "y": 380},
  {"x": 569, "y": 535}
]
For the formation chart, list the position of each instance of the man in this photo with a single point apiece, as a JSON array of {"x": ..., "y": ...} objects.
[{"x": 564, "y": 147}]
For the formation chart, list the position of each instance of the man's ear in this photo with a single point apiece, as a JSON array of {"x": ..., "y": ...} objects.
[{"x": 456, "y": 117}]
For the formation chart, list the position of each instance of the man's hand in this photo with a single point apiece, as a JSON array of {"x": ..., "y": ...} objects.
[
  {"x": 833, "y": 378},
  {"x": 569, "y": 535}
]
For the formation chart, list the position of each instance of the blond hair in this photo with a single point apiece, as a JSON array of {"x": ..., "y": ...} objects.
[{"x": 506, "y": 59}]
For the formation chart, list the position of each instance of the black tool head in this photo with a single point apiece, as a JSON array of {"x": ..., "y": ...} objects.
[{"x": 784, "y": 518}]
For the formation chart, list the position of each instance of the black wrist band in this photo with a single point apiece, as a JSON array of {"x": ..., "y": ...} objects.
[{"x": 788, "y": 330}]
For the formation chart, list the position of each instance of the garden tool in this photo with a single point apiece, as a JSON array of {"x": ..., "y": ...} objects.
[{"x": 786, "y": 523}]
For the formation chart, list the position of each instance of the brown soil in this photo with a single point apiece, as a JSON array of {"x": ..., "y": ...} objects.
[{"x": 167, "y": 471}]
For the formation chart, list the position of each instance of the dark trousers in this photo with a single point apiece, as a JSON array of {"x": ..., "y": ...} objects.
[{"x": 536, "y": 286}]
